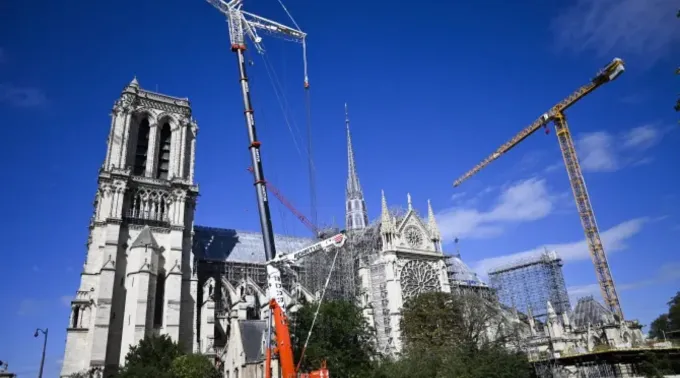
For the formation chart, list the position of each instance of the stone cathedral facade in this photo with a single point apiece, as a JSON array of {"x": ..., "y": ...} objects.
[
  {"x": 137, "y": 277},
  {"x": 149, "y": 270}
]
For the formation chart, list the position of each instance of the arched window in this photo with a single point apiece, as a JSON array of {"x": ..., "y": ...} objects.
[
  {"x": 160, "y": 294},
  {"x": 164, "y": 153},
  {"x": 142, "y": 147}
]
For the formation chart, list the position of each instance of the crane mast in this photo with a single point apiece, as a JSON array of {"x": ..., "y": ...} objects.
[
  {"x": 556, "y": 115},
  {"x": 241, "y": 25}
]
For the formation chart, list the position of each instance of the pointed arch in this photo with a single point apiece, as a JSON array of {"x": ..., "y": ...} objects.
[
  {"x": 163, "y": 168},
  {"x": 142, "y": 146}
]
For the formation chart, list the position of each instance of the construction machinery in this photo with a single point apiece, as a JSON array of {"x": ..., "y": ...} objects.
[
  {"x": 242, "y": 24},
  {"x": 556, "y": 115},
  {"x": 277, "y": 306}
]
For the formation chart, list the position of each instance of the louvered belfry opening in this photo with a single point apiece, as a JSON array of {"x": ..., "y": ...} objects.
[
  {"x": 164, "y": 153},
  {"x": 142, "y": 147}
]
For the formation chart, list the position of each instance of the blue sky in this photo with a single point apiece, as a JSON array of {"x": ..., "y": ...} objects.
[{"x": 432, "y": 89}]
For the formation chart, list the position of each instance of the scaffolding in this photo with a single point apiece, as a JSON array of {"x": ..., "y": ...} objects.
[
  {"x": 528, "y": 284},
  {"x": 344, "y": 280}
]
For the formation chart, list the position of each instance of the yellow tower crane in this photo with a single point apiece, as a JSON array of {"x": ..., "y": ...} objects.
[{"x": 578, "y": 185}]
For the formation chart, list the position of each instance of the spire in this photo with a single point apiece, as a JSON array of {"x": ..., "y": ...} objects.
[
  {"x": 134, "y": 82},
  {"x": 408, "y": 199},
  {"x": 432, "y": 222},
  {"x": 385, "y": 218},
  {"x": 356, "y": 216},
  {"x": 551, "y": 311}
]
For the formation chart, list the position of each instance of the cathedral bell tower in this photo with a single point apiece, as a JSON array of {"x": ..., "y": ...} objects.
[{"x": 137, "y": 274}]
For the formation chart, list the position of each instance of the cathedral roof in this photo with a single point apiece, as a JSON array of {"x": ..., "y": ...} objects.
[
  {"x": 252, "y": 333},
  {"x": 459, "y": 271},
  {"x": 590, "y": 311},
  {"x": 145, "y": 239},
  {"x": 225, "y": 244}
]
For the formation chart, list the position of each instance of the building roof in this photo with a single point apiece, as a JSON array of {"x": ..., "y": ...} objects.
[
  {"x": 460, "y": 272},
  {"x": 590, "y": 311},
  {"x": 225, "y": 244},
  {"x": 252, "y": 332},
  {"x": 145, "y": 239}
]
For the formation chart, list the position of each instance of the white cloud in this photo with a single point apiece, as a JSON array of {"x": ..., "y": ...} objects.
[
  {"x": 596, "y": 152},
  {"x": 66, "y": 300},
  {"x": 32, "y": 306},
  {"x": 642, "y": 28},
  {"x": 602, "y": 151},
  {"x": 21, "y": 97},
  {"x": 524, "y": 201},
  {"x": 614, "y": 239},
  {"x": 642, "y": 137},
  {"x": 669, "y": 272},
  {"x": 29, "y": 306}
]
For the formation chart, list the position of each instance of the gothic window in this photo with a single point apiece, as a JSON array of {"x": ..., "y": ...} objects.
[
  {"x": 160, "y": 294},
  {"x": 164, "y": 152},
  {"x": 418, "y": 277},
  {"x": 142, "y": 147},
  {"x": 149, "y": 204},
  {"x": 76, "y": 315}
]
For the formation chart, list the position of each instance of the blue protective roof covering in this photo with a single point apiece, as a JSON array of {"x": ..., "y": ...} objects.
[{"x": 226, "y": 244}]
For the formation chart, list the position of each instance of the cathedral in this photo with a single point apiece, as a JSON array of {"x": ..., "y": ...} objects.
[{"x": 149, "y": 270}]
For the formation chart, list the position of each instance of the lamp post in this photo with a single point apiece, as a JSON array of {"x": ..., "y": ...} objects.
[{"x": 42, "y": 360}]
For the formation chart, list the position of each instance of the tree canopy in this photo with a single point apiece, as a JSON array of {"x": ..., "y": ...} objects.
[
  {"x": 667, "y": 325},
  {"x": 160, "y": 357},
  {"x": 341, "y": 336},
  {"x": 193, "y": 366},
  {"x": 444, "y": 335}
]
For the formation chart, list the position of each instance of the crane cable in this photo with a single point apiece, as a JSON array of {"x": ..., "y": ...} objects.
[
  {"x": 310, "y": 156},
  {"x": 318, "y": 308}
]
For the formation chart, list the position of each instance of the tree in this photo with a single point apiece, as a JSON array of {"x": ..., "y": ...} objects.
[
  {"x": 341, "y": 336},
  {"x": 193, "y": 366},
  {"x": 659, "y": 327},
  {"x": 445, "y": 335},
  {"x": 447, "y": 320},
  {"x": 667, "y": 325},
  {"x": 153, "y": 356}
]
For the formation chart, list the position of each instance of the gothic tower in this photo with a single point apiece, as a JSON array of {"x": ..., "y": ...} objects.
[
  {"x": 137, "y": 277},
  {"x": 356, "y": 216}
]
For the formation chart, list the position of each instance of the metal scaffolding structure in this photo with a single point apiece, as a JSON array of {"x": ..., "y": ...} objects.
[
  {"x": 344, "y": 280},
  {"x": 531, "y": 283}
]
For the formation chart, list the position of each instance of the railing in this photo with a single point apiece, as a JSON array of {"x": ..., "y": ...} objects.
[{"x": 145, "y": 219}]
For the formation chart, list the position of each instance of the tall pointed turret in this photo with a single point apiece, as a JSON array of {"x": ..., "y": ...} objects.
[{"x": 356, "y": 216}]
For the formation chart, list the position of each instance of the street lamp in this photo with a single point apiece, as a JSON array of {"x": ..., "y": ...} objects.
[{"x": 42, "y": 360}]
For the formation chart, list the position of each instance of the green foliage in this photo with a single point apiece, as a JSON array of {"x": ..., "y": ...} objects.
[
  {"x": 193, "y": 366},
  {"x": 153, "y": 356},
  {"x": 488, "y": 362},
  {"x": 160, "y": 357},
  {"x": 668, "y": 323},
  {"x": 659, "y": 327},
  {"x": 444, "y": 336},
  {"x": 658, "y": 366},
  {"x": 341, "y": 336}
]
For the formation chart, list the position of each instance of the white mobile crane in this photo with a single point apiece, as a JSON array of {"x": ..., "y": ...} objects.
[
  {"x": 277, "y": 306},
  {"x": 241, "y": 25}
]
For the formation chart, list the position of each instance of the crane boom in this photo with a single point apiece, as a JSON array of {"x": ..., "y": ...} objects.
[
  {"x": 606, "y": 74},
  {"x": 242, "y": 24},
  {"x": 556, "y": 115}
]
